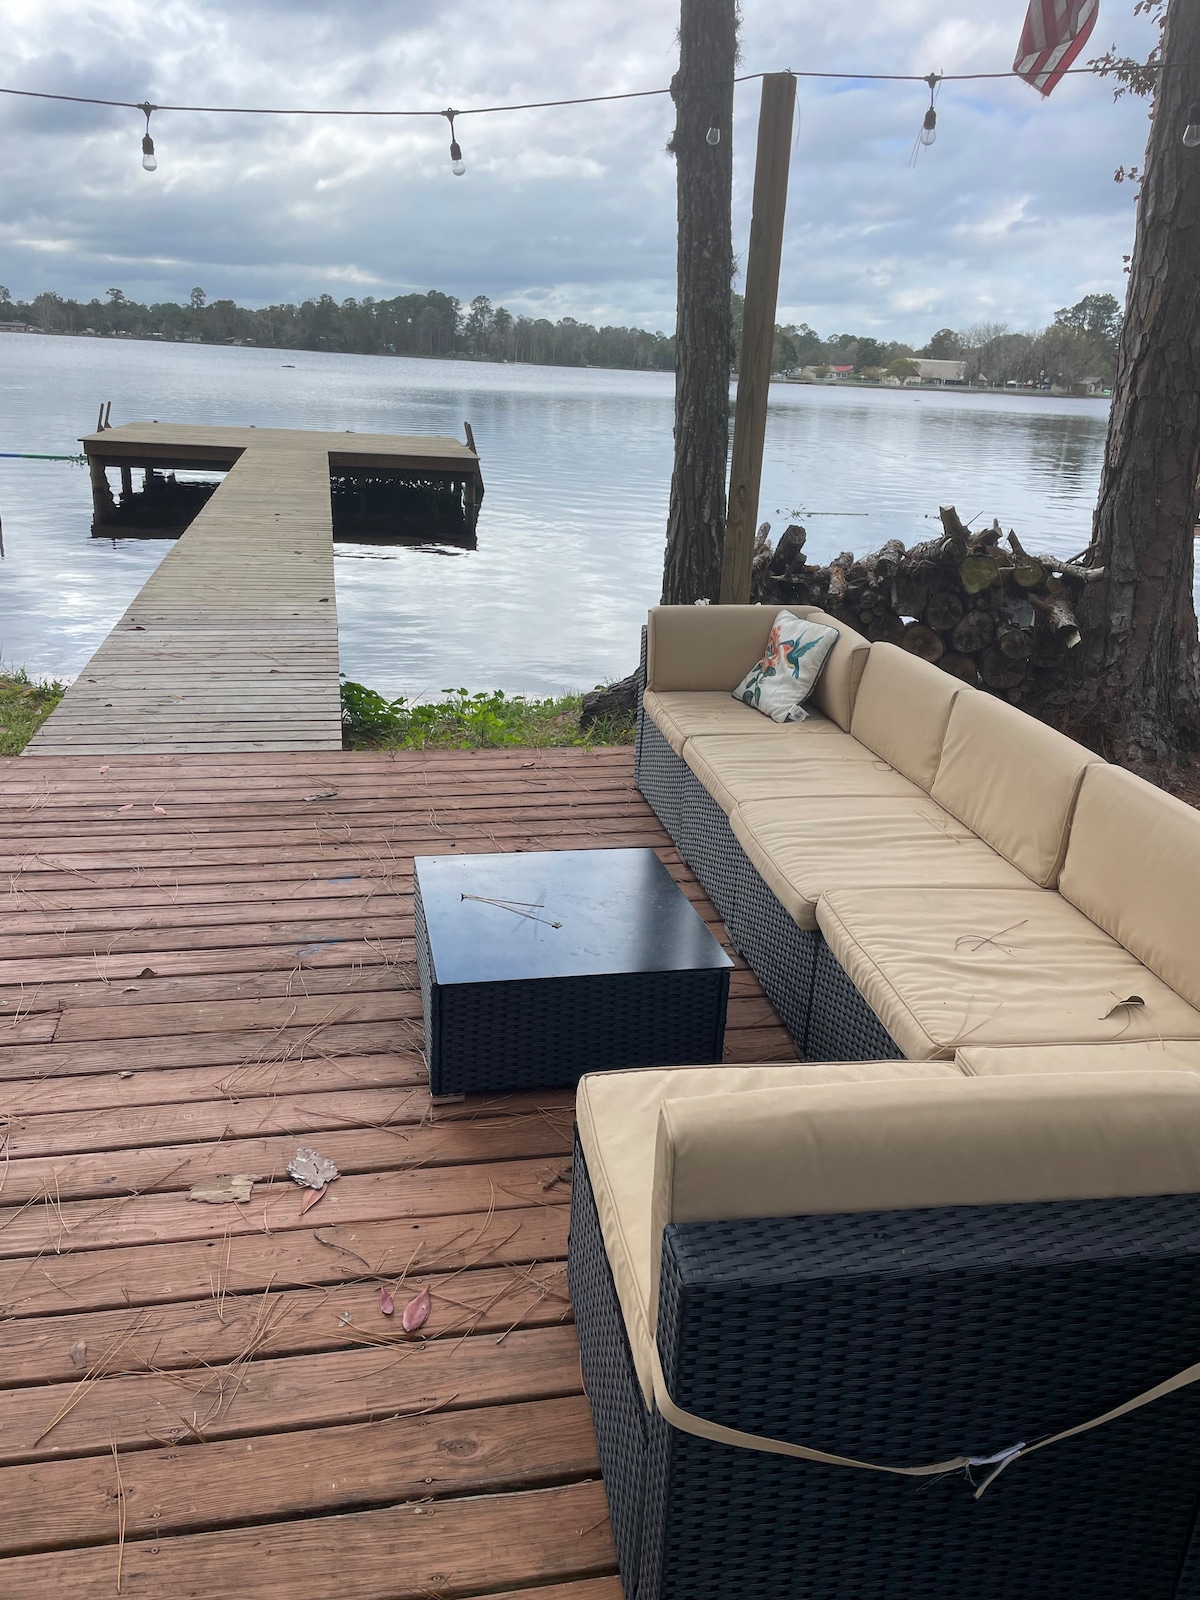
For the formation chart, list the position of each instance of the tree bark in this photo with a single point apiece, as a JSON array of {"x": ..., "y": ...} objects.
[
  {"x": 1135, "y": 675},
  {"x": 703, "y": 93}
]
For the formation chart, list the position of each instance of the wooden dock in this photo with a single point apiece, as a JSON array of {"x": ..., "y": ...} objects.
[
  {"x": 206, "y": 961},
  {"x": 232, "y": 643}
]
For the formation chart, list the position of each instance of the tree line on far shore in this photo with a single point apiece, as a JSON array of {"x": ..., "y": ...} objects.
[{"x": 1080, "y": 345}]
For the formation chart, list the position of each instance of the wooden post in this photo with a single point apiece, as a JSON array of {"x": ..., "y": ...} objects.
[
  {"x": 103, "y": 505},
  {"x": 126, "y": 484},
  {"x": 758, "y": 330}
]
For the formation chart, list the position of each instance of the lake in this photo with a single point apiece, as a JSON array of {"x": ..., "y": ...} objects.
[{"x": 577, "y": 469}]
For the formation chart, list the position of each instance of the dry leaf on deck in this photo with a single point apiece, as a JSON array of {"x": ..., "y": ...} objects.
[
  {"x": 79, "y": 1354},
  {"x": 160, "y": 809},
  {"x": 416, "y": 1312},
  {"x": 221, "y": 1190},
  {"x": 386, "y": 1304},
  {"x": 311, "y": 1170},
  {"x": 1120, "y": 1005},
  {"x": 310, "y": 1200},
  {"x": 129, "y": 807}
]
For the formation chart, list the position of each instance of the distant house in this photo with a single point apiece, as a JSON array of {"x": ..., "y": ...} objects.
[
  {"x": 13, "y": 327},
  {"x": 940, "y": 371},
  {"x": 841, "y": 372}
]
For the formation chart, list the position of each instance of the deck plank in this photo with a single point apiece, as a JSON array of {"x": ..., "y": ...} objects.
[{"x": 201, "y": 990}]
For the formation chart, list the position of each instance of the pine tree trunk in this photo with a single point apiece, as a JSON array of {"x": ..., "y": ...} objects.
[
  {"x": 703, "y": 93},
  {"x": 1135, "y": 673}
]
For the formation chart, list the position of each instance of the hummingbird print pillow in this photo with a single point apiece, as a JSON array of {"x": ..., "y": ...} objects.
[{"x": 782, "y": 681}]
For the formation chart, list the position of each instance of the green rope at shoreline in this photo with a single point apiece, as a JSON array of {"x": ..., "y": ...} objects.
[{"x": 27, "y": 455}]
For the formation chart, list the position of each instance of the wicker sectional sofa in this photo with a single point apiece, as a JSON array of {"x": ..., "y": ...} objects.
[
  {"x": 918, "y": 866},
  {"x": 917, "y": 1318}
]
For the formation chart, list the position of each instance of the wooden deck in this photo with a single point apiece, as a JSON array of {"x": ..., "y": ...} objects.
[
  {"x": 204, "y": 963},
  {"x": 232, "y": 643}
]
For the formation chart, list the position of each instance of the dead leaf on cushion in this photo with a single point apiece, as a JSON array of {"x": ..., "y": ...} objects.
[
  {"x": 1120, "y": 1005},
  {"x": 222, "y": 1190},
  {"x": 311, "y": 1170},
  {"x": 416, "y": 1312},
  {"x": 386, "y": 1304}
]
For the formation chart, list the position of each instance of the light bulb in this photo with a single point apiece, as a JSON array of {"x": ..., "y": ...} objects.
[
  {"x": 457, "y": 165},
  {"x": 713, "y": 136},
  {"x": 1191, "y": 135},
  {"x": 929, "y": 127},
  {"x": 148, "y": 161}
]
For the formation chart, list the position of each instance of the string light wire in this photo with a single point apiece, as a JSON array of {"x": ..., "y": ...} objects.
[{"x": 544, "y": 105}]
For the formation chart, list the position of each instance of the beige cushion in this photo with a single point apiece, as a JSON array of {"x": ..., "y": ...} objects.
[
  {"x": 804, "y": 848},
  {"x": 682, "y": 714},
  {"x": 901, "y": 711},
  {"x": 738, "y": 769},
  {"x": 934, "y": 1141},
  {"x": 617, "y": 1114},
  {"x": 705, "y": 647},
  {"x": 838, "y": 684},
  {"x": 1013, "y": 780},
  {"x": 1133, "y": 866},
  {"x": 944, "y": 968},
  {"x": 1145, "y": 1055}
]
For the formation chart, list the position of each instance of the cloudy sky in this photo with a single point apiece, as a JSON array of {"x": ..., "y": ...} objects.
[{"x": 1010, "y": 215}]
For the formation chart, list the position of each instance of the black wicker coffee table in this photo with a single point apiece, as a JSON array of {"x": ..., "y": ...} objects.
[{"x": 537, "y": 967}]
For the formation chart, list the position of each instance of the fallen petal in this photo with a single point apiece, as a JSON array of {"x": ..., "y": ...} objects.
[
  {"x": 416, "y": 1312},
  {"x": 386, "y": 1304}
]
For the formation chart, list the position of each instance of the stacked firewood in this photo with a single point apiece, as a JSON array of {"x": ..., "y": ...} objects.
[{"x": 985, "y": 610}]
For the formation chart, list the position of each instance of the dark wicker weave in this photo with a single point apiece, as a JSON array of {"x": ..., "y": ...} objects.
[
  {"x": 906, "y": 1337},
  {"x": 841, "y": 1025},
  {"x": 706, "y": 842},
  {"x": 550, "y": 1031},
  {"x": 659, "y": 773},
  {"x": 781, "y": 953}
]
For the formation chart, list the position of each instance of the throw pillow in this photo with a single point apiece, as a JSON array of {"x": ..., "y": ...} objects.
[{"x": 782, "y": 681}]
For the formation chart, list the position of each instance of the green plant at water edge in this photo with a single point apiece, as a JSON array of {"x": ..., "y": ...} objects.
[
  {"x": 24, "y": 706},
  {"x": 466, "y": 721}
]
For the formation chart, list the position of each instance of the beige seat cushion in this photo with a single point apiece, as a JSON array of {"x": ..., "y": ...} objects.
[
  {"x": 1133, "y": 866},
  {"x": 804, "y": 848},
  {"x": 951, "y": 968},
  {"x": 1143, "y": 1055},
  {"x": 902, "y": 709},
  {"x": 683, "y": 714},
  {"x": 617, "y": 1114},
  {"x": 1011, "y": 779},
  {"x": 738, "y": 769}
]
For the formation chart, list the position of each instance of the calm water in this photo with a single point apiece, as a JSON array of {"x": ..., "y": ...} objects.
[{"x": 577, "y": 469}]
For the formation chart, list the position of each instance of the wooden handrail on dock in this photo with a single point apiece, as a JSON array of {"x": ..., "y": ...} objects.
[{"x": 232, "y": 642}]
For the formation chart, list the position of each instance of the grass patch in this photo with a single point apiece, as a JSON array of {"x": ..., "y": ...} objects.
[
  {"x": 464, "y": 721},
  {"x": 24, "y": 706}
]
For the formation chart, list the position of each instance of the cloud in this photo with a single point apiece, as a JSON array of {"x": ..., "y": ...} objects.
[{"x": 1011, "y": 214}]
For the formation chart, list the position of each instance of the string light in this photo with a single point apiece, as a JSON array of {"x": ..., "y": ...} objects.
[
  {"x": 148, "y": 157},
  {"x": 929, "y": 126},
  {"x": 1191, "y": 134},
  {"x": 457, "y": 165}
]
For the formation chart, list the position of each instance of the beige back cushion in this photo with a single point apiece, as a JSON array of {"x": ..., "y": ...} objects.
[
  {"x": 898, "y": 1145},
  {"x": 705, "y": 647},
  {"x": 1133, "y": 867},
  {"x": 837, "y": 687},
  {"x": 1012, "y": 780},
  {"x": 901, "y": 711}
]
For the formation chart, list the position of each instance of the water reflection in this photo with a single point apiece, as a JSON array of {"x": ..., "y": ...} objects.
[{"x": 577, "y": 467}]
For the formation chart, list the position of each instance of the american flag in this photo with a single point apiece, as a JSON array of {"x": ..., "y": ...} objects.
[{"x": 1055, "y": 32}]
